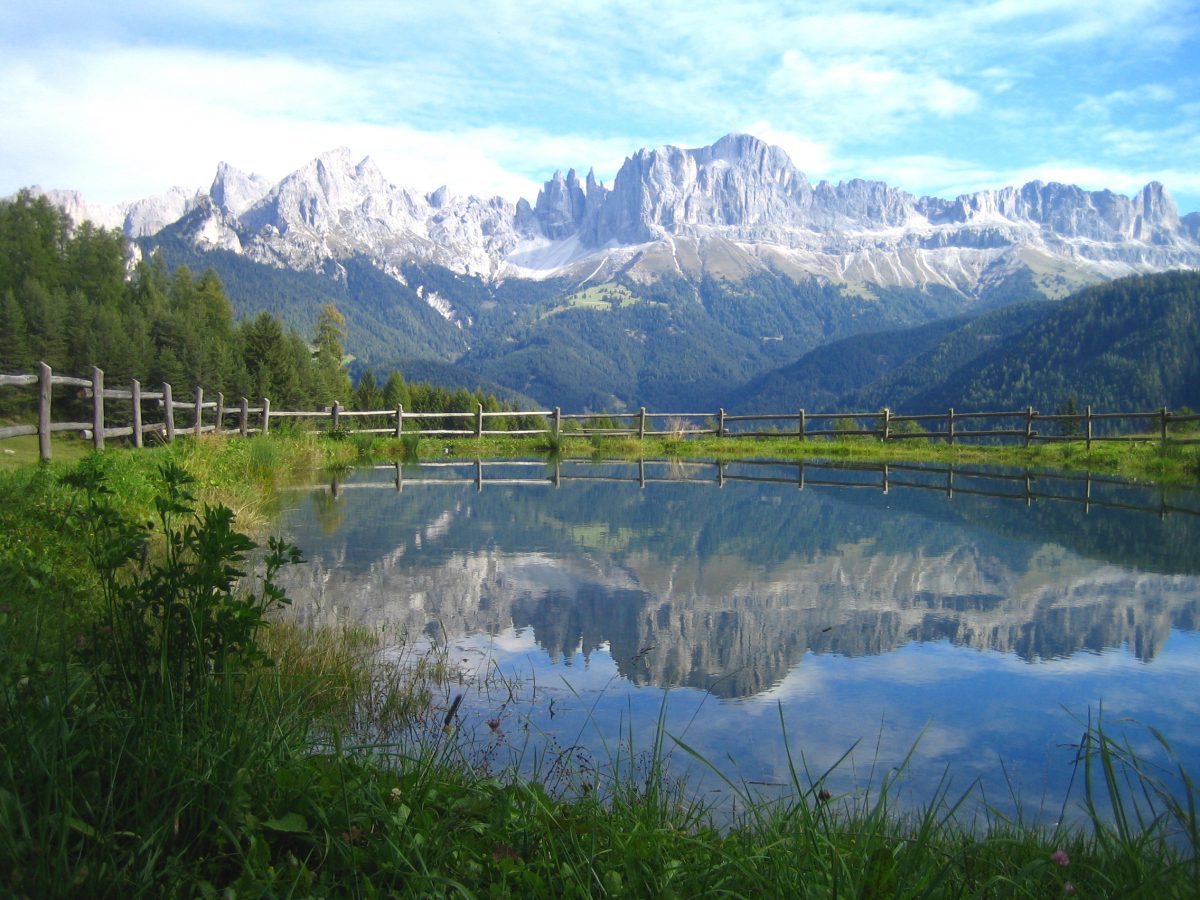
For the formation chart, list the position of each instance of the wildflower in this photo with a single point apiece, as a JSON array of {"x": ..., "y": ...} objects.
[
  {"x": 396, "y": 795},
  {"x": 494, "y": 724},
  {"x": 824, "y": 796},
  {"x": 1060, "y": 857},
  {"x": 1069, "y": 889}
]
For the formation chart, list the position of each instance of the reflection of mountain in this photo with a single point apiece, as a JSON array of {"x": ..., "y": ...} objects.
[{"x": 729, "y": 588}]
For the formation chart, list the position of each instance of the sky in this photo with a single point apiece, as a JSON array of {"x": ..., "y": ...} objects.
[{"x": 127, "y": 98}]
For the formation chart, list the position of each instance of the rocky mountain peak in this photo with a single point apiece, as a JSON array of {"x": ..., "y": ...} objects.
[
  {"x": 561, "y": 205},
  {"x": 739, "y": 182},
  {"x": 234, "y": 191}
]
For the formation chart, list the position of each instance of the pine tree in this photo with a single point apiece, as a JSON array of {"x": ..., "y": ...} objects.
[
  {"x": 332, "y": 378},
  {"x": 367, "y": 394},
  {"x": 16, "y": 356},
  {"x": 395, "y": 391}
]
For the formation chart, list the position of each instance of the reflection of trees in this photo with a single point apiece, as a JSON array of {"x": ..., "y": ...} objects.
[
  {"x": 329, "y": 511},
  {"x": 732, "y": 587}
]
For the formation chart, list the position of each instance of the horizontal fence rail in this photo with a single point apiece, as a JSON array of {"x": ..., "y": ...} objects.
[
  {"x": 203, "y": 416},
  {"x": 1087, "y": 491}
]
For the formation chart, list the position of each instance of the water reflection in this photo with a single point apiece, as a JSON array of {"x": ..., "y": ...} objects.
[
  {"x": 969, "y": 607},
  {"x": 724, "y": 577}
]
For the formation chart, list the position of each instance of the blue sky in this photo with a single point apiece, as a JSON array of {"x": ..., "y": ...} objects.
[{"x": 125, "y": 99}]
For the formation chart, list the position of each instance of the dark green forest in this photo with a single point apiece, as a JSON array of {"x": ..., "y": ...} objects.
[
  {"x": 1126, "y": 345},
  {"x": 1131, "y": 344}
]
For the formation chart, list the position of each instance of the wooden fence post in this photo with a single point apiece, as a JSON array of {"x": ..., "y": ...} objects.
[
  {"x": 950, "y": 426},
  {"x": 220, "y": 423},
  {"x": 198, "y": 425},
  {"x": 335, "y": 413},
  {"x": 168, "y": 412},
  {"x": 1087, "y": 412},
  {"x": 800, "y": 433},
  {"x": 556, "y": 422},
  {"x": 1163, "y": 415},
  {"x": 478, "y": 420},
  {"x": 399, "y": 419},
  {"x": 244, "y": 418},
  {"x": 642, "y": 422},
  {"x": 266, "y": 414},
  {"x": 44, "y": 375},
  {"x": 97, "y": 408},
  {"x": 135, "y": 388},
  {"x": 1028, "y": 425},
  {"x": 721, "y": 422},
  {"x": 887, "y": 428}
]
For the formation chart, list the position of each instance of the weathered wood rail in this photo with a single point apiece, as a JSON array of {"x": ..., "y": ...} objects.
[{"x": 208, "y": 416}]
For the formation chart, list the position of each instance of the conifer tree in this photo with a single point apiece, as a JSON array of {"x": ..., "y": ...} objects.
[{"x": 333, "y": 381}]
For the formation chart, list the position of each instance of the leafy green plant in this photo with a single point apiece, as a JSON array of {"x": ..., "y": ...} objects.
[{"x": 172, "y": 622}]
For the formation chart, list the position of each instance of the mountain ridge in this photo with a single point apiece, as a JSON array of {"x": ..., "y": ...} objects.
[{"x": 736, "y": 206}]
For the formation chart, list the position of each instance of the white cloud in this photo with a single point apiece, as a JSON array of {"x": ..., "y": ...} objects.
[
  {"x": 867, "y": 92},
  {"x": 129, "y": 99}
]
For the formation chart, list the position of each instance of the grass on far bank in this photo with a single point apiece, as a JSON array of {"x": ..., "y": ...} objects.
[
  {"x": 1176, "y": 463},
  {"x": 161, "y": 735}
]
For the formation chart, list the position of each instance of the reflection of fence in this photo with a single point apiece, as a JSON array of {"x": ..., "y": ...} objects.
[
  {"x": 1084, "y": 490},
  {"x": 1023, "y": 425}
]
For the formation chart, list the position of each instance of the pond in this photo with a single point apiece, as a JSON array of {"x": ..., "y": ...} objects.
[{"x": 765, "y": 615}]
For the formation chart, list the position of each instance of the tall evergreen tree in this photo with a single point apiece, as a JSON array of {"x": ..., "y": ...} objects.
[
  {"x": 15, "y": 352},
  {"x": 332, "y": 377},
  {"x": 367, "y": 394},
  {"x": 395, "y": 391}
]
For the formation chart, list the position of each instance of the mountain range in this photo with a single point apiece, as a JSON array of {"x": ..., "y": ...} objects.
[{"x": 695, "y": 271}]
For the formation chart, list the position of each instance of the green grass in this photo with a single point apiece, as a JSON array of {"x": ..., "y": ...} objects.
[
  {"x": 161, "y": 734},
  {"x": 602, "y": 297},
  {"x": 21, "y": 451}
]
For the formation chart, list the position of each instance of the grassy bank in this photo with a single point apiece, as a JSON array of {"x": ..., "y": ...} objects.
[{"x": 159, "y": 737}]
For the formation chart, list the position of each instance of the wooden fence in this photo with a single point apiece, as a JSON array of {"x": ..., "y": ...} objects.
[{"x": 207, "y": 416}]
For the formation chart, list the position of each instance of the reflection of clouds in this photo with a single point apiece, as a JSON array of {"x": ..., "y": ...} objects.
[{"x": 969, "y": 714}]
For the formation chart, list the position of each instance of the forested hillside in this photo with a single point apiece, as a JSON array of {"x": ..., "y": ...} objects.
[
  {"x": 386, "y": 320},
  {"x": 1132, "y": 344},
  {"x": 820, "y": 378},
  {"x": 1125, "y": 345},
  {"x": 957, "y": 350}
]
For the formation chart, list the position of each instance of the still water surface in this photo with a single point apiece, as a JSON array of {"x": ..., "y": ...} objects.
[{"x": 874, "y": 608}]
